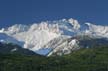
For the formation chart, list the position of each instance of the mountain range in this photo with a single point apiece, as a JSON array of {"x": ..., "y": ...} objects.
[{"x": 55, "y": 37}]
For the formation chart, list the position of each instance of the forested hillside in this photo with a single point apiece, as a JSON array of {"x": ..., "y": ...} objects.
[{"x": 85, "y": 59}]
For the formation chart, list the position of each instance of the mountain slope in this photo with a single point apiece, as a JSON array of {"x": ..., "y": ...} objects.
[
  {"x": 9, "y": 39},
  {"x": 68, "y": 45}
]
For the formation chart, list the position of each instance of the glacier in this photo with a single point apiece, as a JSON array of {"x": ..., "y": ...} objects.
[{"x": 48, "y": 36}]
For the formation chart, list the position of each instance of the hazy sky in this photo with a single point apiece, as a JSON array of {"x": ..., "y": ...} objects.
[{"x": 30, "y": 11}]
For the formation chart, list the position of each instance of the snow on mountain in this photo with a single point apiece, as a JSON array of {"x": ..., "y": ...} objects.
[
  {"x": 13, "y": 50},
  {"x": 4, "y": 38},
  {"x": 98, "y": 30},
  {"x": 75, "y": 23},
  {"x": 36, "y": 36},
  {"x": 49, "y": 35},
  {"x": 2, "y": 30},
  {"x": 62, "y": 46},
  {"x": 17, "y": 28}
]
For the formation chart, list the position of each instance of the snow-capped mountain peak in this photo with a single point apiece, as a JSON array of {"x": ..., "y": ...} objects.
[
  {"x": 50, "y": 34},
  {"x": 75, "y": 23}
]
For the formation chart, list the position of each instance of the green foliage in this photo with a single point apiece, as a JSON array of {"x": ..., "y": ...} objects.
[
  {"x": 85, "y": 59},
  {"x": 7, "y": 48}
]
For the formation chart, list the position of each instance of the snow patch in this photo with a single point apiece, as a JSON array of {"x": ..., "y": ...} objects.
[{"x": 13, "y": 50}]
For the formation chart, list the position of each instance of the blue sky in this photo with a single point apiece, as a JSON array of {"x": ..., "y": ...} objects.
[{"x": 30, "y": 11}]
